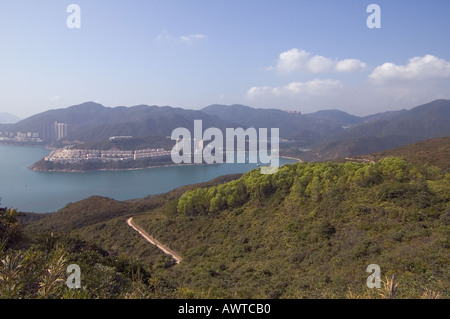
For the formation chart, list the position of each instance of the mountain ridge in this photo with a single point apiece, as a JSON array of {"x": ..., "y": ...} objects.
[
  {"x": 321, "y": 131},
  {"x": 425, "y": 121},
  {"x": 8, "y": 118}
]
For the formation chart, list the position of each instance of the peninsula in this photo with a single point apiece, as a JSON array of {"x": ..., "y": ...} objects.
[{"x": 77, "y": 160}]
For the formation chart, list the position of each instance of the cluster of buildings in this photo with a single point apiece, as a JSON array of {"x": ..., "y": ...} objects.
[
  {"x": 51, "y": 132},
  {"x": 70, "y": 156},
  {"x": 20, "y": 137},
  {"x": 120, "y": 138}
]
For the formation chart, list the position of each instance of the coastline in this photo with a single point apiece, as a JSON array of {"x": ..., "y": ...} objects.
[
  {"x": 293, "y": 158},
  {"x": 108, "y": 169},
  {"x": 132, "y": 168},
  {"x": 10, "y": 143}
]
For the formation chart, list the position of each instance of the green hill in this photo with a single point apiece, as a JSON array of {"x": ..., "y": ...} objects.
[
  {"x": 82, "y": 214},
  {"x": 431, "y": 152},
  {"x": 311, "y": 230},
  {"x": 434, "y": 151},
  {"x": 308, "y": 231},
  {"x": 353, "y": 147}
]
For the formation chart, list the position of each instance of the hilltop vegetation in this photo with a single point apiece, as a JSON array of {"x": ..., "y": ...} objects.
[
  {"x": 83, "y": 213},
  {"x": 34, "y": 259},
  {"x": 434, "y": 152},
  {"x": 311, "y": 230},
  {"x": 34, "y": 265},
  {"x": 308, "y": 231},
  {"x": 353, "y": 147}
]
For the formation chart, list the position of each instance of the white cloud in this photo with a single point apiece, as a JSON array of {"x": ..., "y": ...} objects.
[
  {"x": 302, "y": 96},
  {"x": 191, "y": 38},
  {"x": 296, "y": 60},
  {"x": 188, "y": 39},
  {"x": 319, "y": 64},
  {"x": 350, "y": 65},
  {"x": 418, "y": 68},
  {"x": 292, "y": 60},
  {"x": 295, "y": 89},
  {"x": 54, "y": 98},
  {"x": 389, "y": 86},
  {"x": 421, "y": 80}
]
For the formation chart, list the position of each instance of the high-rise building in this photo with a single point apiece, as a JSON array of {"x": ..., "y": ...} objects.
[
  {"x": 48, "y": 132},
  {"x": 61, "y": 130},
  {"x": 55, "y": 131}
]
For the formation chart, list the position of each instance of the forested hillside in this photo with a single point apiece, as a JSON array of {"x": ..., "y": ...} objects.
[
  {"x": 311, "y": 230},
  {"x": 308, "y": 231},
  {"x": 434, "y": 152}
]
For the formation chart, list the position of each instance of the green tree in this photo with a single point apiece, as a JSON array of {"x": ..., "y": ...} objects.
[{"x": 10, "y": 232}]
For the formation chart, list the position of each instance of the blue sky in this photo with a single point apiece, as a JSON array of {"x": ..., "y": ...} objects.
[{"x": 288, "y": 54}]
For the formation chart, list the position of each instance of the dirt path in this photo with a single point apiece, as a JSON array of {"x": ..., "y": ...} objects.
[{"x": 153, "y": 241}]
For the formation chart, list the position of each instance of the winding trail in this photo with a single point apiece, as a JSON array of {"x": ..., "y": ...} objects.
[{"x": 153, "y": 241}]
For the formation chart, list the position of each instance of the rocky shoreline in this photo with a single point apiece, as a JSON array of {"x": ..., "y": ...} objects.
[{"x": 69, "y": 170}]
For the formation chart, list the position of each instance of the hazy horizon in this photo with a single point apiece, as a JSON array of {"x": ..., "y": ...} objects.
[
  {"x": 291, "y": 55},
  {"x": 199, "y": 109}
]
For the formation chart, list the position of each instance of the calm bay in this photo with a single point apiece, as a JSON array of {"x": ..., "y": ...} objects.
[{"x": 41, "y": 192}]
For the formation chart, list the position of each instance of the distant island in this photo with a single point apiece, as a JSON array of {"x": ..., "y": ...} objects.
[
  {"x": 78, "y": 160},
  {"x": 115, "y": 153}
]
